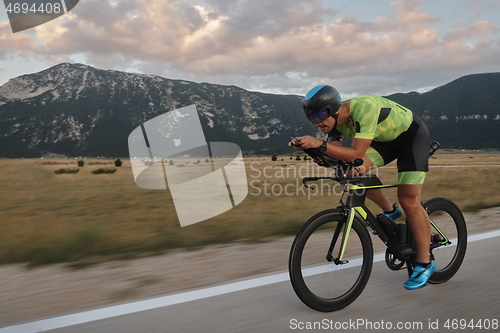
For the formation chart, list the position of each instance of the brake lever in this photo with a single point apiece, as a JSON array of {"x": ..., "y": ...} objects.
[{"x": 305, "y": 180}]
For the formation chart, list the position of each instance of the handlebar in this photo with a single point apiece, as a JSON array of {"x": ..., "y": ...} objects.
[
  {"x": 341, "y": 167},
  {"x": 329, "y": 162}
]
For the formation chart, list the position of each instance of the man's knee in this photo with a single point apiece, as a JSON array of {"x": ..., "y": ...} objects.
[
  {"x": 409, "y": 203},
  {"x": 409, "y": 197}
]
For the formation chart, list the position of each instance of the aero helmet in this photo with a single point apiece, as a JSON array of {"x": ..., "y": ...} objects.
[{"x": 321, "y": 98}]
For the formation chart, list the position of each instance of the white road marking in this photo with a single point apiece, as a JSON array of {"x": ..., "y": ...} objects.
[{"x": 155, "y": 303}]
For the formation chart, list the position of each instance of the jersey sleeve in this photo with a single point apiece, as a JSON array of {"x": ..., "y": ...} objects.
[{"x": 365, "y": 117}]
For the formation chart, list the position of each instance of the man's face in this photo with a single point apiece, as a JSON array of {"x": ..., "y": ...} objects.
[
  {"x": 322, "y": 119},
  {"x": 326, "y": 125}
]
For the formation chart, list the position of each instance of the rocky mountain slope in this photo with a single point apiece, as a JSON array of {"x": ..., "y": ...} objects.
[{"x": 76, "y": 110}]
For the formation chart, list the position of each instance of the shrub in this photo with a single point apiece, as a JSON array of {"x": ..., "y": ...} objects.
[
  {"x": 66, "y": 170},
  {"x": 106, "y": 170}
]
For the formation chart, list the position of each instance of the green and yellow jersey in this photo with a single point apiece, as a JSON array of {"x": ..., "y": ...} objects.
[{"x": 376, "y": 118}]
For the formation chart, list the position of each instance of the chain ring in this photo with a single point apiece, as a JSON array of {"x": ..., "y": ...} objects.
[{"x": 392, "y": 261}]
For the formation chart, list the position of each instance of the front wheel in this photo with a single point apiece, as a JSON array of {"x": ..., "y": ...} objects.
[
  {"x": 320, "y": 281},
  {"x": 449, "y": 238}
]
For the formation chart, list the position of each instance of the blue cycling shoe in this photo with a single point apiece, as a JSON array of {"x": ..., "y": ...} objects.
[
  {"x": 420, "y": 276},
  {"x": 394, "y": 214}
]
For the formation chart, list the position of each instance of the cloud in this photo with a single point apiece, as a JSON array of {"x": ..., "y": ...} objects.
[
  {"x": 14, "y": 44},
  {"x": 478, "y": 7},
  {"x": 260, "y": 44}
]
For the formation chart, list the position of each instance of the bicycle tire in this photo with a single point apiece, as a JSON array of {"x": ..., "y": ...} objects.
[
  {"x": 325, "y": 286},
  {"x": 449, "y": 219}
]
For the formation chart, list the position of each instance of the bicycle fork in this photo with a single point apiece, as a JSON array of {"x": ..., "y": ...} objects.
[{"x": 347, "y": 225}]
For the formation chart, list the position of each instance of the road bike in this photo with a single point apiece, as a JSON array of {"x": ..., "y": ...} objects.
[{"x": 331, "y": 257}]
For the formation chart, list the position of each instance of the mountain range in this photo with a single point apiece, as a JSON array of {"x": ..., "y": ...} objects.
[{"x": 78, "y": 110}]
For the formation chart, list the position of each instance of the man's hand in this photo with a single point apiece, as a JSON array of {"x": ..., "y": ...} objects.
[
  {"x": 305, "y": 142},
  {"x": 296, "y": 144}
]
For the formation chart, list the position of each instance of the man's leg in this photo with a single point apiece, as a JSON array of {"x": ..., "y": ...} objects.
[
  {"x": 418, "y": 221},
  {"x": 375, "y": 195},
  {"x": 409, "y": 197},
  {"x": 379, "y": 198}
]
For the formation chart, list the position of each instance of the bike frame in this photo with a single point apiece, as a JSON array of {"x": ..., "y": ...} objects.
[{"x": 356, "y": 189}]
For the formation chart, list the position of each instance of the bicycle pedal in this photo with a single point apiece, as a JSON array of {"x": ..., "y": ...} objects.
[{"x": 340, "y": 262}]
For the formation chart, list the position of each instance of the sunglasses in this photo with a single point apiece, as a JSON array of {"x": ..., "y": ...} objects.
[{"x": 319, "y": 116}]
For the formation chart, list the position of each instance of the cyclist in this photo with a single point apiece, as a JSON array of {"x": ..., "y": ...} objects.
[{"x": 381, "y": 131}]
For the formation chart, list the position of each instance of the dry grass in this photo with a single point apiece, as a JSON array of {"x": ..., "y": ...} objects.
[{"x": 84, "y": 218}]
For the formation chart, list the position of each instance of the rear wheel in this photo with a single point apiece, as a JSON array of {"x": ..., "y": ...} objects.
[
  {"x": 317, "y": 279},
  {"x": 449, "y": 238}
]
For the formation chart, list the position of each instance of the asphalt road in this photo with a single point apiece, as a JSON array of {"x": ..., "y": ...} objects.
[{"x": 469, "y": 302}]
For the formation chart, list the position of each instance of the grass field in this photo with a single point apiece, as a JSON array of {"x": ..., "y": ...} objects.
[{"x": 83, "y": 218}]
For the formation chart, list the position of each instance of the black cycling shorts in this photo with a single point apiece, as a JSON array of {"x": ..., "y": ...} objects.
[{"x": 411, "y": 149}]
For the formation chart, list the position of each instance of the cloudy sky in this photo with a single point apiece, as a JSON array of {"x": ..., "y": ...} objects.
[{"x": 278, "y": 46}]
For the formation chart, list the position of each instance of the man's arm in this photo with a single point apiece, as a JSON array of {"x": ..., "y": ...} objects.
[
  {"x": 357, "y": 150},
  {"x": 334, "y": 149}
]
